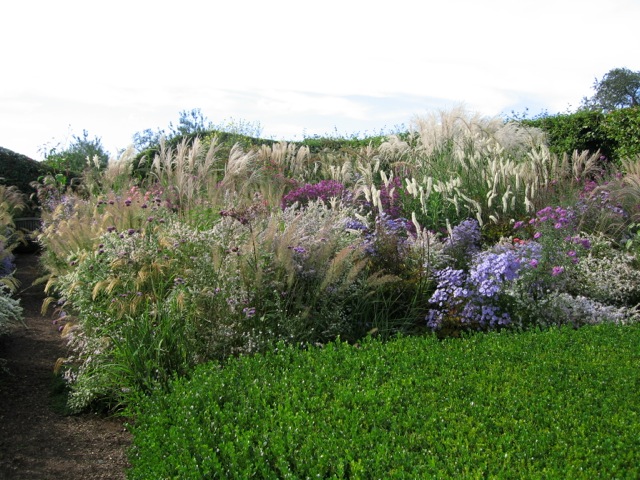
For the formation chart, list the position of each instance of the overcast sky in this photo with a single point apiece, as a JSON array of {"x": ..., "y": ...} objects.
[{"x": 298, "y": 68}]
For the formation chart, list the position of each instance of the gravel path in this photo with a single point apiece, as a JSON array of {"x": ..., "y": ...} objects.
[{"x": 36, "y": 440}]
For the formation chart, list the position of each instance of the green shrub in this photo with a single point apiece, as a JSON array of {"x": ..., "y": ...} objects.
[
  {"x": 581, "y": 130},
  {"x": 623, "y": 128},
  {"x": 555, "y": 404},
  {"x": 616, "y": 134}
]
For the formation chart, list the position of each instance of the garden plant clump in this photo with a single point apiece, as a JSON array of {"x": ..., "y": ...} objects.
[{"x": 206, "y": 253}]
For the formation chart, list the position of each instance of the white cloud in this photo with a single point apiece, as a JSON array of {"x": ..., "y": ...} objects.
[{"x": 118, "y": 67}]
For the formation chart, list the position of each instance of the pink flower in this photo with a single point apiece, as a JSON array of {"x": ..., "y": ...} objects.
[
  {"x": 533, "y": 263},
  {"x": 555, "y": 271},
  {"x": 537, "y": 235}
]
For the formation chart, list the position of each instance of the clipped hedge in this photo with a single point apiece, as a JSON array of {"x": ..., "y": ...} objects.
[
  {"x": 616, "y": 134},
  {"x": 560, "y": 403},
  {"x": 623, "y": 127},
  {"x": 582, "y": 130}
]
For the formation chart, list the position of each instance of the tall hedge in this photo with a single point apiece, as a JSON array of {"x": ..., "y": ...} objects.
[
  {"x": 615, "y": 134},
  {"x": 623, "y": 128}
]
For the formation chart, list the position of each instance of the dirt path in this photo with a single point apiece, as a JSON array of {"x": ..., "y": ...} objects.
[{"x": 36, "y": 441}]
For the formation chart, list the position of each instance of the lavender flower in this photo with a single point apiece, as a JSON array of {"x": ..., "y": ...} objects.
[
  {"x": 493, "y": 270},
  {"x": 473, "y": 298}
]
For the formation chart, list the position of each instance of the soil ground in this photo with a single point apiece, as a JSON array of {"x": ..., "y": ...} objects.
[{"x": 37, "y": 440}]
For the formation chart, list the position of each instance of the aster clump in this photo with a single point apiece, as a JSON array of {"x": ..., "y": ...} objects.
[
  {"x": 555, "y": 229},
  {"x": 474, "y": 299}
]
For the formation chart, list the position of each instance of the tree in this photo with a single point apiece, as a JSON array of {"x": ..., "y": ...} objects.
[
  {"x": 190, "y": 123},
  {"x": 80, "y": 153},
  {"x": 619, "y": 88}
]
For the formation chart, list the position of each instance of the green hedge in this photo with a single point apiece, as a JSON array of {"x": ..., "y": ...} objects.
[
  {"x": 555, "y": 404},
  {"x": 580, "y": 131},
  {"x": 623, "y": 128},
  {"x": 20, "y": 170},
  {"x": 615, "y": 134}
]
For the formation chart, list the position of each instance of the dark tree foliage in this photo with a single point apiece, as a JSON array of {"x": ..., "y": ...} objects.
[
  {"x": 191, "y": 123},
  {"x": 619, "y": 88}
]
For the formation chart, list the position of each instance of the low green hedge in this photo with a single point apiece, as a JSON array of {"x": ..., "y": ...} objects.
[{"x": 560, "y": 403}]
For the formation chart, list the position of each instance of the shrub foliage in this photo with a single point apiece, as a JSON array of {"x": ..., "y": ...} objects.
[{"x": 559, "y": 403}]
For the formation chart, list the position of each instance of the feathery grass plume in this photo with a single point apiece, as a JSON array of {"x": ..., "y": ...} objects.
[
  {"x": 12, "y": 203},
  {"x": 461, "y": 165},
  {"x": 585, "y": 165},
  {"x": 76, "y": 225},
  {"x": 10, "y": 311},
  {"x": 287, "y": 160},
  {"x": 334, "y": 165},
  {"x": 117, "y": 176},
  {"x": 188, "y": 172},
  {"x": 611, "y": 206},
  {"x": 239, "y": 169},
  {"x": 279, "y": 168},
  {"x": 396, "y": 153}
]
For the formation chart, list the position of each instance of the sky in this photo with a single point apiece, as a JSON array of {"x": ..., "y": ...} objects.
[{"x": 295, "y": 68}]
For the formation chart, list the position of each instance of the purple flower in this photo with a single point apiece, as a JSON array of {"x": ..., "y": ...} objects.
[
  {"x": 584, "y": 242},
  {"x": 353, "y": 224},
  {"x": 324, "y": 190},
  {"x": 464, "y": 239},
  {"x": 493, "y": 270},
  {"x": 473, "y": 298},
  {"x": 555, "y": 271},
  {"x": 249, "y": 312}
]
